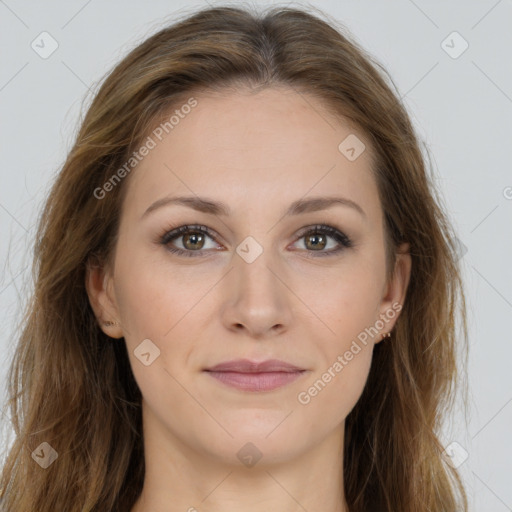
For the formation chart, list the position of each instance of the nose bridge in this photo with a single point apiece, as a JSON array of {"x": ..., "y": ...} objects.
[
  {"x": 258, "y": 298},
  {"x": 253, "y": 273}
]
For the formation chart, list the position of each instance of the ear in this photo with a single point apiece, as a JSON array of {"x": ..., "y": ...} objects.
[
  {"x": 396, "y": 289},
  {"x": 99, "y": 286}
]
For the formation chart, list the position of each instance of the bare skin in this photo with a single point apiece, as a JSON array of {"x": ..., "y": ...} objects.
[{"x": 296, "y": 301}]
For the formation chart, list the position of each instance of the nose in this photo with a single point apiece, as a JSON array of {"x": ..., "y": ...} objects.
[{"x": 257, "y": 298}]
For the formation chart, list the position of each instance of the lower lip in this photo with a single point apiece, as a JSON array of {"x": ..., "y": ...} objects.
[{"x": 256, "y": 381}]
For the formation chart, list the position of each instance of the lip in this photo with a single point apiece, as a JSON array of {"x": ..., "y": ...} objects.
[
  {"x": 248, "y": 366},
  {"x": 247, "y": 375}
]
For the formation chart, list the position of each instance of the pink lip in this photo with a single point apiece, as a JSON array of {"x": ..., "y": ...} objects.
[{"x": 248, "y": 375}]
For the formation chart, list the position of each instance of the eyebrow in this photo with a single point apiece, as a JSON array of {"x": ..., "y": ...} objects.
[{"x": 209, "y": 206}]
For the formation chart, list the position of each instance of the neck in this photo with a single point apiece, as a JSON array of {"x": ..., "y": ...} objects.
[{"x": 179, "y": 479}]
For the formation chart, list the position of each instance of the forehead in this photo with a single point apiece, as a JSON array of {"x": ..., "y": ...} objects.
[{"x": 249, "y": 148}]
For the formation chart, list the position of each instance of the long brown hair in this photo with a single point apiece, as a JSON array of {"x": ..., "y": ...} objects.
[{"x": 74, "y": 389}]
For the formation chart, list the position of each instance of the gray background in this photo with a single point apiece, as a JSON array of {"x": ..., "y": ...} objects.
[{"x": 461, "y": 106}]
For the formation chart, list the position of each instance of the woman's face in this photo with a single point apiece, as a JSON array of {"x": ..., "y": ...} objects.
[{"x": 260, "y": 171}]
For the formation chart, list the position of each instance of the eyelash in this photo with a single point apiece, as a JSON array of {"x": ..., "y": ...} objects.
[{"x": 344, "y": 241}]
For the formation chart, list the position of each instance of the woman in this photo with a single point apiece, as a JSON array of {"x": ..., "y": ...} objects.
[{"x": 245, "y": 288}]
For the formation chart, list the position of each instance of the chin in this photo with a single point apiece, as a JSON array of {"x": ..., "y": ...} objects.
[{"x": 263, "y": 443}]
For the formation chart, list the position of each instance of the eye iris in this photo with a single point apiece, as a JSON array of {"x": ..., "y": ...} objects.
[
  {"x": 316, "y": 236},
  {"x": 195, "y": 237}
]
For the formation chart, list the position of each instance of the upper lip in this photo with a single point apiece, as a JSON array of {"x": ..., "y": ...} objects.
[{"x": 248, "y": 366}]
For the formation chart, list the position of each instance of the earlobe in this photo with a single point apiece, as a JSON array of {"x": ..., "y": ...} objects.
[{"x": 394, "y": 298}]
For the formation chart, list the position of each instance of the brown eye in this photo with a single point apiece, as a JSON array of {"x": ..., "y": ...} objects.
[
  {"x": 315, "y": 241},
  {"x": 193, "y": 238},
  {"x": 193, "y": 241}
]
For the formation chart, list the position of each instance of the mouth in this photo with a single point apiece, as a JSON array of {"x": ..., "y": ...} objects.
[{"x": 247, "y": 375}]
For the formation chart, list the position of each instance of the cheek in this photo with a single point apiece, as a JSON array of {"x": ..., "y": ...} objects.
[
  {"x": 153, "y": 296},
  {"x": 331, "y": 393},
  {"x": 160, "y": 304},
  {"x": 154, "y": 315},
  {"x": 347, "y": 304}
]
